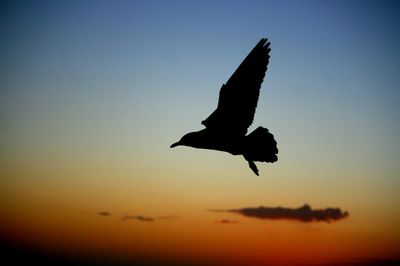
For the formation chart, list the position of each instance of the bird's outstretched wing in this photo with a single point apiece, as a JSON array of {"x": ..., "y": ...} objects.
[{"x": 238, "y": 97}]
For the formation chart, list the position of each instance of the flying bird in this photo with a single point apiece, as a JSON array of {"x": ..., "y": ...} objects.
[{"x": 226, "y": 128}]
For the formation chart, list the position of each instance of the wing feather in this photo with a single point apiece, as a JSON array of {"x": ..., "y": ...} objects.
[{"x": 239, "y": 96}]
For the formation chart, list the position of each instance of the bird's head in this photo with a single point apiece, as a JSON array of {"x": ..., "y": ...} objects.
[{"x": 192, "y": 139}]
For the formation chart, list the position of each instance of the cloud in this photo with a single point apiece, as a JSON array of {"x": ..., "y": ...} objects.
[
  {"x": 226, "y": 221},
  {"x": 168, "y": 217},
  {"x": 104, "y": 213},
  {"x": 148, "y": 219},
  {"x": 304, "y": 213},
  {"x": 144, "y": 219},
  {"x": 138, "y": 217}
]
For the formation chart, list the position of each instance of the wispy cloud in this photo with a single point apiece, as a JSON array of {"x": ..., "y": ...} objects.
[
  {"x": 304, "y": 213},
  {"x": 168, "y": 217},
  {"x": 138, "y": 217},
  {"x": 103, "y": 213},
  {"x": 226, "y": 221}
]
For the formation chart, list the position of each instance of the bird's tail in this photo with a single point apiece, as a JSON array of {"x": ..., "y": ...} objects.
[{"x": 260, "y": 147}]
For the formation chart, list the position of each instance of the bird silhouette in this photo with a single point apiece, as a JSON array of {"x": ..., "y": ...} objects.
[{"x": 226, "y": 127}]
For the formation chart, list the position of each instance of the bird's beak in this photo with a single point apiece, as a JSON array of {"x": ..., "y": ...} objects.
[{"x": 175, "y": 144}]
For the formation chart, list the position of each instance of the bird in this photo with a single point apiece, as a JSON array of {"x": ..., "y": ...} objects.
[{"x": 226, "y": 128}]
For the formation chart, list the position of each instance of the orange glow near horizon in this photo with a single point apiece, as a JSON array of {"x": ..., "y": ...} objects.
[
  {"x": 62, "y": 215},
  {"x": 46, "y": 216},
  {"x": 194, "y": 235}
]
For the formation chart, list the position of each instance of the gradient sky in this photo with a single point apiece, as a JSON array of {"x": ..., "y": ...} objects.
[{"x": 93, "y": 93}]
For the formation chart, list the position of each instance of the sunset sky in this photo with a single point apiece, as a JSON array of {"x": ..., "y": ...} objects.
[{"x": 93, "y": 93}]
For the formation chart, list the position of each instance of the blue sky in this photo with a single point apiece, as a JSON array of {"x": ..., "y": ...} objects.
[{"x": 334, "y": 66}]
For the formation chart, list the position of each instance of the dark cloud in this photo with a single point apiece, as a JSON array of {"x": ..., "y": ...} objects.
[
  {"x": 226, "y": 221},
  {"x": 104, "y": 213},
  {"x": 144, "y": 219},
  {"x": 168, "y": 217},
  {"x": 138, "y": 217},
  {"x": 304, "y": 213}
]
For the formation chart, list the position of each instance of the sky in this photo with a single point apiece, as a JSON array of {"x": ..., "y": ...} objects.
[{"x": 93, "y": 93}]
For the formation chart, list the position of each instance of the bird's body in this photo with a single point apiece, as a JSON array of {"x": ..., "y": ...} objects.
[
  {"x": 211, "y": 140},
  {"x": 226, "y": 127}
]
